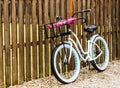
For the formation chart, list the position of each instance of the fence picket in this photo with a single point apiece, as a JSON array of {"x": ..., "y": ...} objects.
[
  {"x": 117, "y": 28},
  {"x": 34, "y": 22},
  {"x": 118, "y": 24},
  {"x": 21, "y": 40},
  {"x": 47, "y": 54},
  {"x": 14, "y": 40},
  {"x": 41, "y": 38},
  {"x": 7, "y": 50},
  {"x": 1, "y": 49},
  {"x": 113, "y": 30},
  {"x": 27, "y": 49},
  {"x": 109, "y": 27}
]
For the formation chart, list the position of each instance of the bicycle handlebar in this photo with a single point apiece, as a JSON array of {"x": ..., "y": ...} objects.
[
  {"x": 82, "y": 11},
  {"x": 61, "y": 22}
]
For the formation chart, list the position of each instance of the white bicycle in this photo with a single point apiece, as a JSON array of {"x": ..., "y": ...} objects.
[{"x": 66, "y": 57}]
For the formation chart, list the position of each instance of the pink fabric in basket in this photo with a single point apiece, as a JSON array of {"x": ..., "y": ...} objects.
[{"x": 62, "y": 23}]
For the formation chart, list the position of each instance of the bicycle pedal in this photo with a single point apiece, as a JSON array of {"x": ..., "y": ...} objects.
[{"x": 66, "y": 63}]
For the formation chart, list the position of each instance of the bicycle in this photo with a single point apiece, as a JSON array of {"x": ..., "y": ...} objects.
[{"x": 70, "y": 53}]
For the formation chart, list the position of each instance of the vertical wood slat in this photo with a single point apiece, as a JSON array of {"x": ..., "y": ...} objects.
[
  {"x": 34, "y": 22},
  {"x": 1, "y": 49},
  {"x": 112, "y": 20},
  {"x": 46, "y": 41},
  {"x": 63, "y": 7},
  {"x": 93, "y": 11},
  {"x": 57, "y": 7},
  {"x": 101, "y": 18},
  {"x": 21, "y": 38},
  {"x": 84, "y": 41},
  {"x": 113, "y": 30},
  {"x": 11, "y": 43},
  {"x": 118, "y": 25},
  {"x": 75, "y": 8},
  {"x": 52, "y": 11},
  {"x": 106, "y": 35},
  {"x": 40, "y": 38},
  {"x": 110, "y": 32},
  {"x": 69, "y": 8},
  {"x": 79, "y": 22},
  {"x": 88, "y": 14},
  {"x": 101, "y": 13},
  {"x": 14, "y": 40},
  {"x": 97, "y": 13},
  {"x": 117, "y": 28},
  {"x": 52, "y": 19},
  {"x": 27, "y": 17},
  {"x": 101, "y": 23},
  {"x": 31, "y": 43},
  {"x": 7, "y": 51}
]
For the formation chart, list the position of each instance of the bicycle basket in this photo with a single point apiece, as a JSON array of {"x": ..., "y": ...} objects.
[{"x": 55, "y": 32}]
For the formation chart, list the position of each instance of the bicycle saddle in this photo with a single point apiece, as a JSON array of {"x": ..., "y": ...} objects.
[{"x": 90, "y": 28}]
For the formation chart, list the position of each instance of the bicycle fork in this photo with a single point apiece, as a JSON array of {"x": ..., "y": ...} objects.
[{"x": 65, "y": 60}]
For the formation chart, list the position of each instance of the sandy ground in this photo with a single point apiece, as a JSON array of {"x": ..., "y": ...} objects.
[{"x": 110, "y": 78}]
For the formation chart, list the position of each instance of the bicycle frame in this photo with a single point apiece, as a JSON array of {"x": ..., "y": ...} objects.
[{"x": 79, "y": 48}]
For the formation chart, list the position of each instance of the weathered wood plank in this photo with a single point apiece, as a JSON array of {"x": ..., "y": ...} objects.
[
  {"x": 113, "y": 30},
  {"x": 88, "y": 14},
  {"x": 101, "y": 14},
  {"x": 41, "y": 38},
  {"x": 52, "y": 19},
  {"x": 110, "y": 27},
  {"x": 84, "y": 39},
  {"x": 14, "y": 42},
  {"x": 7, "y": 50},
  {"x": 1, "y": 49},
  {"x": 21, "y": 40},
  {"x": 79, "y": 22},
  {"x": 46, "y": 41},
  {"x": 63, "y": 7},
  {"x": 34, "y": 22},
  {"x": 27, "y": 27},
  {"x": 117, "y": 28},
  {"x": 118, "y": 24}
]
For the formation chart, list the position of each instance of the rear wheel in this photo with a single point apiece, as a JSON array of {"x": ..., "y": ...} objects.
[
  {"x": 100, "y": 63},
  {"x": 65, "y": 71}
]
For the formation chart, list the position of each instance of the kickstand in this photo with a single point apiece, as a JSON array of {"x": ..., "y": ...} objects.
[{"x": 89, "y": 65}]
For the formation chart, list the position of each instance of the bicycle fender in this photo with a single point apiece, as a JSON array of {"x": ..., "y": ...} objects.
[
  {"x": 93, "y": 37},
  {"x": 66, "y": 42}
]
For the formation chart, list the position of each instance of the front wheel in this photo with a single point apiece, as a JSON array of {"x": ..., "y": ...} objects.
[
  {"x": 64, "y": 70},
  {"x": 101, "y": 62}
]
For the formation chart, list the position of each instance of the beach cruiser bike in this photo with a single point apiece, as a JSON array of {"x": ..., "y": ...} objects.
[{"x": 66, "y": 56}]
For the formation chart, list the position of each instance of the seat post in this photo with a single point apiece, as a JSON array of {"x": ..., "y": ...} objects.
[{"x": 89, "y": 35}]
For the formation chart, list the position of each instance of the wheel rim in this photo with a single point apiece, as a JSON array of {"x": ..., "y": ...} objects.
[
  {"x": 102, "y": 61},
  {"x": 68, "y": 72}
]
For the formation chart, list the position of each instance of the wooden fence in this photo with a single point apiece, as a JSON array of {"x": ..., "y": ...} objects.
[{"x": 25, "y": 54}]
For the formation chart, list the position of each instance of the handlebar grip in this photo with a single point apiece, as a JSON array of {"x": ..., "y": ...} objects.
[
  {"x": 86, "y": 10},
  {"x": 82, "y": 11}
]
